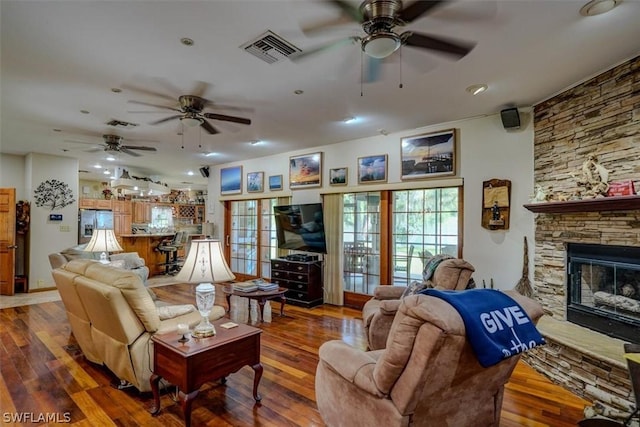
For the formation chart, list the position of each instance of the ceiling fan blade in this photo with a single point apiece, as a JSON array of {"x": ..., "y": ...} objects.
[
  {"x": 216, "y": 106},
  {"x": 155, "y": 105},
  {"x": 166, "y": 119},
  {"x": 200, "y": 89},
  {"x": 207, "y": 126},
  {"x": 455, "y": 48},
  {"x": 316, "y": 27},
  {"x": 129, "y": 152},
  {"x": 94, "y": 150},
  {"x": 226, "y": 118},
  {"x": 305, "y": 54},
  {"x": 418, "y": 8},
  {"x": 148, "y": 92},
  {"x": 138, "y": 147},
  {"x": 373, "y": 69},
  {"x": 348, "y": 9}
]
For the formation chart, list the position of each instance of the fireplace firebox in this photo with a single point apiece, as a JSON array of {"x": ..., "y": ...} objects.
[{"x": 604, "y": 289}]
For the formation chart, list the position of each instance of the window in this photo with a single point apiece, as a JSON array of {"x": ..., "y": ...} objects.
[
  {"x": 268, "y": 238},
  {"x": 252, "y": 236},
  {"x": 244, "y": 237},
  {"x": 425, "y": 223},
  {"x": 361, "y": 237},
  {"x": 389, "y": 242}
]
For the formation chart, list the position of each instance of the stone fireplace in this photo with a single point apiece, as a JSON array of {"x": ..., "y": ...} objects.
[
  {"x": 600, "y": 116},
  {"x": 603, "y": 289}
]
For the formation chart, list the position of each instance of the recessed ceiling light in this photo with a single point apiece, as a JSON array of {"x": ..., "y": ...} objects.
[
  {"x": 477, "y": 89},
  {"x": 84, "y": 111},
  {"x": 116, "y": 90},
  {"x": 106, "y": 172},
  {"x": 186, "y": 41},
  {"x": 210, "y": 154},
  {"x": 98, "y": 166},
  {"x": 298, "y": 92},
  {"x": 598, "y": 7},
  {"x": 190, "y": 173},
  {"x": 111, "y": 158}
]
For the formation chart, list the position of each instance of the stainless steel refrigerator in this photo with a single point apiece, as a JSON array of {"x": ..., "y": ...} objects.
[{"x": 90, "y": 219}]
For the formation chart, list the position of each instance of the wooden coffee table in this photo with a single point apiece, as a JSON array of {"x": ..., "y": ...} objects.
[
  {"x": 191, "y": 364},
  {"x": 261, "y": 296}
]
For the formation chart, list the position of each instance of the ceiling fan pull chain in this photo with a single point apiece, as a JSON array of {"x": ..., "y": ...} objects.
[
  {"x": 361, "y": 72},
  {"x": 200, "y": 137},
  {"x": 182, "y": 134},
  {"x": 400, "y": 54}
]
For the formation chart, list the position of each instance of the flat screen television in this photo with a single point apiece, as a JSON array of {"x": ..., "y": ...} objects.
[{"x": 300, "y": 227}]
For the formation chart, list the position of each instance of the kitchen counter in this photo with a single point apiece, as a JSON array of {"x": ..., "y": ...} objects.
[{"x": 145, "y": 245}]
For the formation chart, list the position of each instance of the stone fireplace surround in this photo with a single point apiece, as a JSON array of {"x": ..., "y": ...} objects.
[{"x": 600, "y": 116}]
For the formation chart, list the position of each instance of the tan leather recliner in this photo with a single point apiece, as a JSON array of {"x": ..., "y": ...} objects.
[
  {"x": 378, "y": 312},
  {"x": 428, "y": 375},
  {"x": 113, "y": 317}
]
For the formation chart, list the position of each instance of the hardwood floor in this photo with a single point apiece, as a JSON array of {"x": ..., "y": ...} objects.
[{"x": 45, "y": 374}]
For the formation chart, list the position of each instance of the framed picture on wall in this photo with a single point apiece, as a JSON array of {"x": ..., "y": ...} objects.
[
  {"x": 338, "y": 176},
  {"x": 305, "y": 171},
  {"x": 372, "y": 169},
  {"x": 255, "y": 182},
  {"x": 231, "y": 180},
  {"x": 275, "y": 182},
  {"x": 429, "y": 155}
]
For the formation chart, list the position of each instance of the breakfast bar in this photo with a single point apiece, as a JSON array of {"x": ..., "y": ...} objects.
[{"x": 145, "y": 245}]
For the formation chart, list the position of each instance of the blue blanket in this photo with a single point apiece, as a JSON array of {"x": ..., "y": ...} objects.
[{"x": 497, "y": 327}]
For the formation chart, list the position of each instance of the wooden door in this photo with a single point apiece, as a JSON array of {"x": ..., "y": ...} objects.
[{"x": 7, "y": 240}]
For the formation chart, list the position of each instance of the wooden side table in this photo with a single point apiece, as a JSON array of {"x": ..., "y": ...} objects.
[
  {"x": 191, "y": 364},
  {"x": 261, "y": 296}
]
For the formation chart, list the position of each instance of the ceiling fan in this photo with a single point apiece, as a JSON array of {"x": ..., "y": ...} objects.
[
  {"x": 114, "y": 143},
  {"x": 191, "y": 109},
  {"x": 379, "y": 19}
]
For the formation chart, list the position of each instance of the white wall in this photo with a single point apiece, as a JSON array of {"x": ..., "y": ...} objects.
[
  {"x": 12, "y": 172},
  {"x": 485, "y": 151},
  {"x": 49, "y": 236}
]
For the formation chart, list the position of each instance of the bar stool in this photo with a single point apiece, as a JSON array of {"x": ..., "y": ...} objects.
[{"x": 170, "y": 249}]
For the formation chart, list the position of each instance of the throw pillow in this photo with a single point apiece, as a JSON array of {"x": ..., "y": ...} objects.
[
  {"x": 118, "y": 264},
  {"x": 413, "y": 288},
  {"x": 170, "y": 311}
]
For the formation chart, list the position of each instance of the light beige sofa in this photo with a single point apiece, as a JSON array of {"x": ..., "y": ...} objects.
[
  {"x": 113, "y": 317},
  {"x": 428, "y": 375},
  {"x": 127, "y": 260}
]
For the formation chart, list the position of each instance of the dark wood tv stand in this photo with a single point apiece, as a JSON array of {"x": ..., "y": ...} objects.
[{"x": 303, "y": 279}]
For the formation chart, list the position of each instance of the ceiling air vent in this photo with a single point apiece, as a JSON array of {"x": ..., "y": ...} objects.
[
  {"x": 270, "y": 48},
  {"x": 121, "y": 124}
]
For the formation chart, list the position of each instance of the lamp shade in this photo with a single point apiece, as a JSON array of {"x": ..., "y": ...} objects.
[
  {"x": 205, "y": 263},
  {"x": 103, "y": 240}
]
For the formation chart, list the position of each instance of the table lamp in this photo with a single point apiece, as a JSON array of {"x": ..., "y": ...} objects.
[
  {"x": 103, "y": 240},
  {"x": 205, "y": 264}
]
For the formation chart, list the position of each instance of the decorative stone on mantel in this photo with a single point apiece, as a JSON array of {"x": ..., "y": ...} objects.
[{"x": 600, "y": 204}]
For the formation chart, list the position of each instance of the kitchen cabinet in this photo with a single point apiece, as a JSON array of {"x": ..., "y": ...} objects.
[
  {"x": 105, "y": 204},
  {"x": 122, "y": 218},
  {"x": 193, "y": 213},
  {"x": 141, "y": 212}
]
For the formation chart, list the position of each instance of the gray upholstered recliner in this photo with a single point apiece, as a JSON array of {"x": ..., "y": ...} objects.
[
  {"x": 428, "y": 375},
  {"x": 378, "y": 312}
]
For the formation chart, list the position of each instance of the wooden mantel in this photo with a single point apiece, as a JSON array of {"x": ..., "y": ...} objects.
[{"x": 602, "y": 204}]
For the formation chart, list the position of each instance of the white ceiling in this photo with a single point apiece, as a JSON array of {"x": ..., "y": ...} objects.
[{"x": 61, "y": 57}]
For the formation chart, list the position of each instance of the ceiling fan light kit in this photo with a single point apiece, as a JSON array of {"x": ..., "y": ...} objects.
[
  {"x": 380, "y": 45},
  {"x": 378, "y": 20}
]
